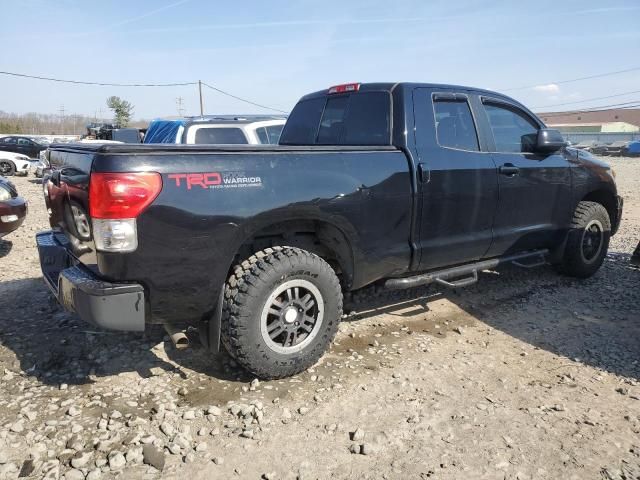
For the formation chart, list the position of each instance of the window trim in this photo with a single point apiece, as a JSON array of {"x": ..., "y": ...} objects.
[
  {"x": 500, "y": 103},
  {"x": 454, "y": 97}
]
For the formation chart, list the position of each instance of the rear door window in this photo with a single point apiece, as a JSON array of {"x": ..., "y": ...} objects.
[
  {"x": 454, "y": 125},
  {"x": 220, "y": 136},
  {"x": 356, "y": 119}
]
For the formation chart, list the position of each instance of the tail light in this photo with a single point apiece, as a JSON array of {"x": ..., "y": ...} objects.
[
  {"x": 345, "y": 88},
  {"x": 115, "y": 200}
]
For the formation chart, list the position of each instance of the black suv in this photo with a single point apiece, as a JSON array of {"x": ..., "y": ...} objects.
[{"x": 29, "y": 146}]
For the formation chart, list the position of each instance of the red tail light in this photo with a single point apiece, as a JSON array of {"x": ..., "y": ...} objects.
[
  {"x": 345, "y": 88},
  {"x": 122, "y": 195}
]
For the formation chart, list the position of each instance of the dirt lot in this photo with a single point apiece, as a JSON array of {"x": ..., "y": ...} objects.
[{"x": 526, "y": 375}]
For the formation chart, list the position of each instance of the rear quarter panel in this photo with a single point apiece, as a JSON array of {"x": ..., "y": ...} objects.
[{"x": 189, "y": 235}]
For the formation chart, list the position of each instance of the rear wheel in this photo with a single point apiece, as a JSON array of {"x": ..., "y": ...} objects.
[
  {"x": 281, "y": 311},
  {"x": 587, "y": 241},
  {"x": 7, "y": 168}
]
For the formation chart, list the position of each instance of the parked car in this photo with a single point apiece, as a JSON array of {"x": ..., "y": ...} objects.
[
  {"x": 396, "y": 184},
  {"x": 13, "y": 208},
  {"x": 592, "y": 146},
  {"x": 29, "y": 146},
  {"x": 631, "y": 150},
  {"x": 14, "y": 164},
  {"x": 615, "y": 148},
  {"x": 217, "y": 130}
]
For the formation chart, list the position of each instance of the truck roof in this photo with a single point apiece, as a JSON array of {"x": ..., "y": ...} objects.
[{"x": 391, "y": 86}]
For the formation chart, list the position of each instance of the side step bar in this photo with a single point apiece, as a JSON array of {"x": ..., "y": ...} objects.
[{"x": 443, "y": 277}]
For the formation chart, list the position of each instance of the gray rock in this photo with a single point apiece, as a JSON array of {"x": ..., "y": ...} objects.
[
  {"x": 94, "y": 474},
  {"x": 354, "y": 448},
  {"x": 202, "y": 447},
  {"x": 357, "y": 435},
  {"x": 80, "y": 459},
  {"x": 73, "y": 411},
  {"x": 51, "y": 470},
  {"x": 218, "y": 460},
  {"x": 174, "y": 449},
  {"x": 74, "y": 474},
  {"x": 134, "y": 455},
  {"x": 189, "y": 458},
  {"x": 189, "y": 415},
  {"x": 153, "y": 456},
  {"x": 303, "y": 410},
  {"x": 167, "y": 429},
  {"x": 213, "y": 410},
  {"x": 366, "y": 449},
  {"x": 116, "y": 460},
  {"x": 17, "y": 427}
]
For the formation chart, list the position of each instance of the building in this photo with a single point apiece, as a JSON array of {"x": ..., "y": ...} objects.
[{"x": 620, "y": 120}]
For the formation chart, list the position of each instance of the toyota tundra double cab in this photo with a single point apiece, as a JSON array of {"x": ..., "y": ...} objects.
[{"x": 396, "y": 184}]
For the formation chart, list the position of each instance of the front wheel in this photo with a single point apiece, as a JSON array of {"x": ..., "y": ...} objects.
[
  {"x": 281, "y": 311},
  {"x": 587, "y": 241},
  {"x": 7, "y": 168}
]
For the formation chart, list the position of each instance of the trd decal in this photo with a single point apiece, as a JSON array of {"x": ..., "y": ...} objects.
[{"x": 215, "y": 180}]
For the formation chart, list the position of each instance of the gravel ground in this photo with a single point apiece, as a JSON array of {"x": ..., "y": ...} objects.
[{"x": 526, "y": 375}]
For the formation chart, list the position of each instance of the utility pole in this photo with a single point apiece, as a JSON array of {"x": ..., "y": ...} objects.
[
  {"x": 180, "y": 106},
  {"x": 62, "y": 119},
  {"x": 201, "y": 105}
]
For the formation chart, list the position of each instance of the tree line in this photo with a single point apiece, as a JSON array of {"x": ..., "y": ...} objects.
[{"x": 51, "y": 124}]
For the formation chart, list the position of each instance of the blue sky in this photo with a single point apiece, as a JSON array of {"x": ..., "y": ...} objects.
[{"x": 275, "y": 51}]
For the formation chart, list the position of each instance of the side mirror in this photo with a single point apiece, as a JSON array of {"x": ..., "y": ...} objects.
[{"x": 549, "y": 140}]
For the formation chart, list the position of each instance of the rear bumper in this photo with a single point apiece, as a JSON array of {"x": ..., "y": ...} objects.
[
  {"x": 616, "y": 223},
  {"x": 114, "y": 306}
]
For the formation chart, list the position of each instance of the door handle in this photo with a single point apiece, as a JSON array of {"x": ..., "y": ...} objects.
[
  {"x": 509, "y": 169},
  {"x": 423, "y": 173}
]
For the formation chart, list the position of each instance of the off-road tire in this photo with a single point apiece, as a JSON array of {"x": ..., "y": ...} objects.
[
  {"x": 246, "y": 293},
  {"x": 11, "y": 168},
  {"x": 574, "y": 262}
]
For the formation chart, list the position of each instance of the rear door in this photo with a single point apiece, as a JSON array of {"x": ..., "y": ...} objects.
[
  {"x": 535, "y": 189},
  {"x": 458, "y": 183},
  {"x": 25, "y": 146}
]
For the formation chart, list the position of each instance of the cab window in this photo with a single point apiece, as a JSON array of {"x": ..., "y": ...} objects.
[{"x": 513, "y": 130}]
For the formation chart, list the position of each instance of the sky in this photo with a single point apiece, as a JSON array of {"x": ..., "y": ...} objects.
[{"x": 273, "y": 52}]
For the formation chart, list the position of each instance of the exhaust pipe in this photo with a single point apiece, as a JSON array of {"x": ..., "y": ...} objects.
[{"x": 178, "y": 337}]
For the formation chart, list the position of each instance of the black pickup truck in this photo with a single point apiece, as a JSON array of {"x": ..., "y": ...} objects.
[{"x": 400, "y": 184}]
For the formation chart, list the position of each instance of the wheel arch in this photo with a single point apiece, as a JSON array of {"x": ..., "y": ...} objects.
[
  {"x": 316, "y": 235},
  {"x": 607, "y": 199}
]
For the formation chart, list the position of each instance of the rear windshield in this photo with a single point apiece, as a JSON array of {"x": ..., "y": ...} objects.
[
  {"x": 354, "y": 119},
  {"x": 227, "y": 136}
]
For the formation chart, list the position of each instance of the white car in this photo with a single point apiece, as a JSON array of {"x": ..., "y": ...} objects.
[
  {"x": 217, "y": 130},
  {"x": 14, "y": 164}
]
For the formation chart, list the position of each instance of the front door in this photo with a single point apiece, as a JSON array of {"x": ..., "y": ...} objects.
[
  {"x": 458, "y": 183},
  {"x": 534, "y": 189}
]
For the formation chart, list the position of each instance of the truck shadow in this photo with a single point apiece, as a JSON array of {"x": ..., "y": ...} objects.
[
  {"x": 594, "y": 320},
  {"x": 56, "y": 347}
]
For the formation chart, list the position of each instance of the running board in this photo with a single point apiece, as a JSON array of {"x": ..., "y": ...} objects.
[{"x": 468, "y": 272}]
